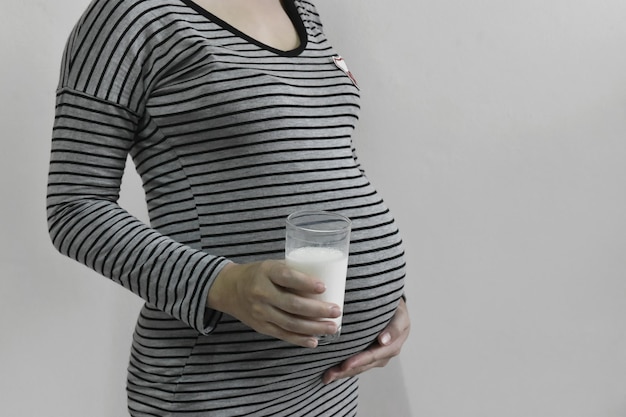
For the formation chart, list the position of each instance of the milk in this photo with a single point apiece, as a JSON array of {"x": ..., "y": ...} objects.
[{"x": 326, "y": 264}]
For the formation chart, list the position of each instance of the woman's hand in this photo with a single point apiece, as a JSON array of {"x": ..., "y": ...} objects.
[
  {"x": 274, "y": 300},
  {"x": 388, "y": 345}
]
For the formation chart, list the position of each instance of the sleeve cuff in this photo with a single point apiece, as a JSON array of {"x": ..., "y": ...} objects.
[{"x": 209, "y": 317}]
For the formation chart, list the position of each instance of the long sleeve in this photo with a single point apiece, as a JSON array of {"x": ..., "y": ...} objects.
[{"x": 98, "y": 113}]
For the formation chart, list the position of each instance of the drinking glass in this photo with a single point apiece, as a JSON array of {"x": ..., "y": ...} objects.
[{"x": 317, "y": 244}]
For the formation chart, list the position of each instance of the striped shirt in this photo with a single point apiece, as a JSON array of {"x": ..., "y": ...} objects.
[{"x": 229, "y": 137}]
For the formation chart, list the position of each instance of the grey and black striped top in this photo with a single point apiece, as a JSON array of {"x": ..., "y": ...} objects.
[{"x": 229, "y": 137}]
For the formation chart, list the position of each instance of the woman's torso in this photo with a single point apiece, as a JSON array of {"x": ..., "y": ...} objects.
[{"x": 234, "y": 137}]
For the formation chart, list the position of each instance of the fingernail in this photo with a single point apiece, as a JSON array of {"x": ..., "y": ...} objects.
[
  {"x": 312, "y": 343},
  {"x": 335, "y": 311},
  {"x": 385, "y": 339},
  {"x": 320, "y": 287}
]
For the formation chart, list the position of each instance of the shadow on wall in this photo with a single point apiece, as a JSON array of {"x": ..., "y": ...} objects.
[{"x": 383, "y": 392}]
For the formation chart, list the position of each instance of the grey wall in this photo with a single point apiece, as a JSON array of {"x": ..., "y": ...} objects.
[{"x": 495, "y": 130}]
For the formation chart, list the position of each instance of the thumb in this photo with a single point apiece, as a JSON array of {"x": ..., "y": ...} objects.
[{"x": 385, "y": 338}]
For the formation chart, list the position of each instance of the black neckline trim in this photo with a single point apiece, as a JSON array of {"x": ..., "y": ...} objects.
[{"x": 292, "y": 12}]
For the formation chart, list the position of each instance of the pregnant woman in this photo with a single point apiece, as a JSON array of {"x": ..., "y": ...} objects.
[{"x": 236, "y": 113}]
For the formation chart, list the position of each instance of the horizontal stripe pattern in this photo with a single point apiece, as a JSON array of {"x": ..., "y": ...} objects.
[{"x": 229, "y": 137}]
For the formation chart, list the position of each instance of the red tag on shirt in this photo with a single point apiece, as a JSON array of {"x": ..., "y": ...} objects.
[{"x": 341, "y": 64}]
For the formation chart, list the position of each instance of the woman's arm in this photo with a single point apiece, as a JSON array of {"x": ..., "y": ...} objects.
[{"x": 107, "y": 69}]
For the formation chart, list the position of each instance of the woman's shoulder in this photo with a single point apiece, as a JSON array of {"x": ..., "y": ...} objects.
[
  {"x": 113, "y": 44},
  {"x": 306, "y": 5},
  {"x": 112, "y": 14},
  {"x": 308, "y": 11},
  {"x": 123, "y": 25}
]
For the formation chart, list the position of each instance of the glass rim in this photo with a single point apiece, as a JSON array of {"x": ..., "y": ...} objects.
[{"x": 334, "y": 216}]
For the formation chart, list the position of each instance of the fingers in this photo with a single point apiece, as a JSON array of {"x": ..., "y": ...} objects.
[
  {"x": 297, "y": 339},
  {"x": 374, "y": 357},
  {"x": 296, "y": 297},
  {"x": 293, "y": 280},
  {"x": 302, "y": 325},
  {"x": 272, "y": 299},
  {"x": 388, "y": 345},
  {"x": 297, "y": 305},
  {"x": 398, "y": 328}
]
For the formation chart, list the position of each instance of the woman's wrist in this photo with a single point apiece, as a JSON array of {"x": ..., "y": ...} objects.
[{"x": 218, "y": 293}]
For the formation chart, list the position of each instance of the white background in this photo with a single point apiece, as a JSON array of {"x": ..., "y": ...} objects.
[{"x": 495, "y": 130}]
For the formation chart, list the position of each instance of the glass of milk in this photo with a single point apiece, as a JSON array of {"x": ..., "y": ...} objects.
[{"x": 317, "y": 244}]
